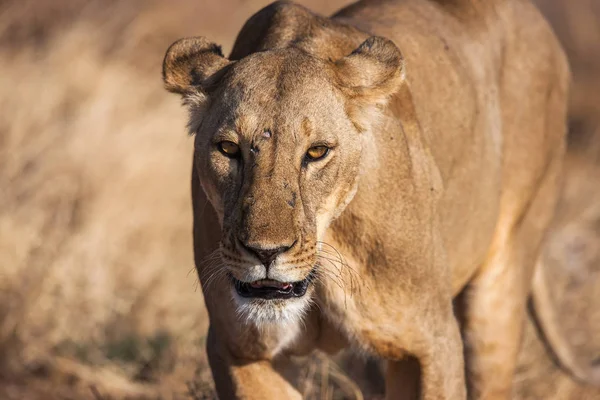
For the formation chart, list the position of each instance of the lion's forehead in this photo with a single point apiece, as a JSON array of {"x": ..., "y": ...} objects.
[
  {"x": 285, "y": 94},
  {"x": 287, "y": 80},
  {"x": 300, "y": 116}
]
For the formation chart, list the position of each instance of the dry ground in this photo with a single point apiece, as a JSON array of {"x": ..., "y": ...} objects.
[{"x": 98, "y": 298}]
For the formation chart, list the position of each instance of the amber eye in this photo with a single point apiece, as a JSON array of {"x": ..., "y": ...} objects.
[
  {"x": 317, "y": 152},
  {"x": 230, "y": 149}
]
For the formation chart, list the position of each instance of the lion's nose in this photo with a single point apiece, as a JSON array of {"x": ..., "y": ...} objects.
[{"x": 265, "y": 255}]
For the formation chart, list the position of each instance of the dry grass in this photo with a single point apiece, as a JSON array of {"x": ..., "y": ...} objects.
[
  {"x": 97, "y": 294},
  {"x": 94, "y": 217}
]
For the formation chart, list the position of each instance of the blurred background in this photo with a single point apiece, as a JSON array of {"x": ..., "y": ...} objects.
[{"x": 98, "y": 295}]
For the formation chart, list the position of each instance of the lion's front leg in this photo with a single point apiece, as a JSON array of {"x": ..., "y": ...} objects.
[
  {"x": 403, "y": 312},
  {"x": 239, "y": 378},
  {"x": 415, "y": 331},
  {"x": 443, "y": 373},
  {"x": 435, "y": 370}
]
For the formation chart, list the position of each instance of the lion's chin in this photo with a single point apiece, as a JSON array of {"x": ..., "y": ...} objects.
[
  {"x": 264, "y": 312},
  {"x": 271, "y": 302}
]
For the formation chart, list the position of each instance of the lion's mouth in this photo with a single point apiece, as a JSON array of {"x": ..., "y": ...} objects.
[{"x": 271, "y": 289}]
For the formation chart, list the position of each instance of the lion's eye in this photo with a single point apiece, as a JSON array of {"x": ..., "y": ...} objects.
[
  {"x": 317, "y": 152},
  {"x": 230, "y": 149}
]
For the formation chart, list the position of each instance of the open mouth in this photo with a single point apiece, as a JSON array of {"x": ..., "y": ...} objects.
[{"x": 270, "y": 289}]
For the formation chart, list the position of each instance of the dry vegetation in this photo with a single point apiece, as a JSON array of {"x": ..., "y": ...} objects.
[{"x": 98, "y": 298}]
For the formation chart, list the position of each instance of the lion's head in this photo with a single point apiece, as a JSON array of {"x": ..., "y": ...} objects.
[{"x": 278, "y": 142}]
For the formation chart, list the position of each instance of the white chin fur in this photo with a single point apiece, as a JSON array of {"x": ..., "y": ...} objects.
[{"x": 260, "y": 312}]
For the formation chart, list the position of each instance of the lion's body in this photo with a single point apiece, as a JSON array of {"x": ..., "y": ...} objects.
[
  {"x": 489, "y": 95},
  {"x": 453, "y": 192}
]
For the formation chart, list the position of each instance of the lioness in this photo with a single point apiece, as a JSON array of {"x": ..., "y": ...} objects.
[{"x": 362, "y": 171}]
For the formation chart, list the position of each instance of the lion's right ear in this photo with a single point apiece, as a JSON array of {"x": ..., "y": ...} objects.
[{"x": 190, "y": 63}]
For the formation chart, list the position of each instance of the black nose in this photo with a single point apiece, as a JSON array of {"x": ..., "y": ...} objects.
[{"x": 266, "y": 256}]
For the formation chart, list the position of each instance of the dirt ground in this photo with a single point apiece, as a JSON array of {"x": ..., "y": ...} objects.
[{"x": 98, "y": 297}]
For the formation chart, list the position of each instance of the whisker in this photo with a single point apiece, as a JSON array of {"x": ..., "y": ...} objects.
[
  {"x": 337, "y": 273},
  {"x": 335, "y": 278},
  {"x": 321, "y": 277},
  {"x": 336, "y": 264},
  {"x": 341, "y": 259},
  {"x": 331, "y": 251},
  {"x": 324, "y": 273},
  {"x": 213, "y": 279}
]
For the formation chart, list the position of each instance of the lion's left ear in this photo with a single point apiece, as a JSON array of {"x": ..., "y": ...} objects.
[
  {"x": 370, "y": 75},
  {"x": 190, "y": 63},
  {"x": 375, "y": 69}
]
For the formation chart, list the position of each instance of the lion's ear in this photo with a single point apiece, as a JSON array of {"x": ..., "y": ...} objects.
[
  {"x": 374, "y": 69},
  {"x": 369, "y": 76},
  {"x": 190, "y": 63}
]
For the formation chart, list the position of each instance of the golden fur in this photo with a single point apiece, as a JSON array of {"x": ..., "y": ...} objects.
[{"x": 446, "y": 148}]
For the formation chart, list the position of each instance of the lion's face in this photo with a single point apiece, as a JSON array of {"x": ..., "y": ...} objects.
[
  {"x": 277, "y": 150},
  {"x": 278, "y": 165}
]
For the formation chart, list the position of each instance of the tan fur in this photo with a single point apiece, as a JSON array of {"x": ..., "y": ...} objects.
[{"x": 447, "y": 140}]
